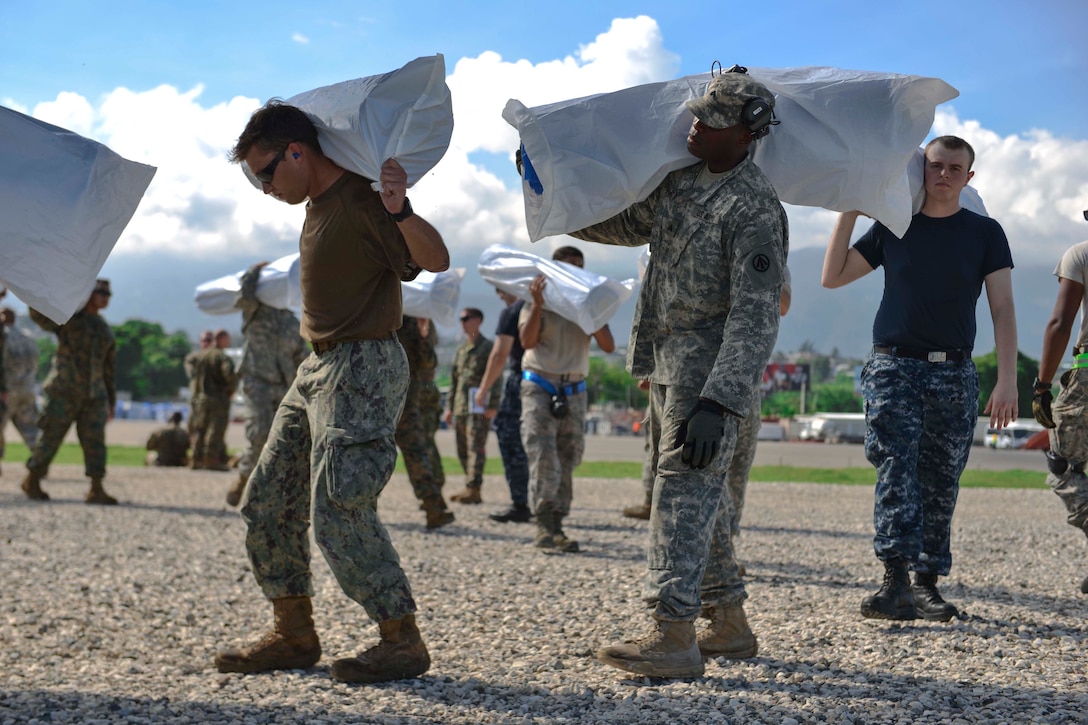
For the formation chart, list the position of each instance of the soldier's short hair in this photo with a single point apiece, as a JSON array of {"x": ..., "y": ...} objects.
[
  {"x": 176, "y": 417},
  {"x": 570, "y": 255},
  {"x": 472, "y": 312},
  {"x": 955, "y": 143},
  {"x": 272, "y": 127},
  {"x": 7, "y": 316}
]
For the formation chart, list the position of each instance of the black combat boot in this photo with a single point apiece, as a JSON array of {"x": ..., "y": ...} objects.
[
  {"x": 928, "y": 601},
  {"x": 894, "y": 600}
]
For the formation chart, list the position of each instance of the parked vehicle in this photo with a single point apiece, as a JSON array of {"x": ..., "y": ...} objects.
[
  {"x": 1015, "y": 436},
  {"x": 835, "y": 428}
]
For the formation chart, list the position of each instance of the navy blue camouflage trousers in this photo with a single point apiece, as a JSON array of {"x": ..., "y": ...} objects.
[
  {"x": 921, "y": 422},
  {"x": 515, "y": 464}
]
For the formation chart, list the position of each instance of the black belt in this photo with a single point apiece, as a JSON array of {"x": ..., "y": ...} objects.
[{"x": 933, "y": 356}]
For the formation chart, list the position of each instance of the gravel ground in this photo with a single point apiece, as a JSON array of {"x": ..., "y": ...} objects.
[{"x": 113, "y": 615}]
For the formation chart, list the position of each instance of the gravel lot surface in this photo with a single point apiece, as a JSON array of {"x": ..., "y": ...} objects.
[{"x": 112, "y": 615}]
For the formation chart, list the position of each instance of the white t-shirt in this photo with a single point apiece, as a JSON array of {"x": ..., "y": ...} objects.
[
  {"x": 562, "y": 349},
  {"x": 1074, "y": 266}
]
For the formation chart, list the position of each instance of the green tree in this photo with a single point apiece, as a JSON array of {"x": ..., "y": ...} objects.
[
  {"x": 610, "y": 382},
  {"x": 820, "y": 366},
  {"x": 47, "y": 347},
  {"x": 837, "y": 397},
  {"x": 782, "y": 404},
  {"x": 150, "y": 363},
  {"x": 1026, "y": 368}
]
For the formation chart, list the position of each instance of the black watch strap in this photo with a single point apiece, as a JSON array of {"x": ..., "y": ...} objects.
[
  {"x": 1041, "y": 386},
  {"x": 405, "y": 212}
]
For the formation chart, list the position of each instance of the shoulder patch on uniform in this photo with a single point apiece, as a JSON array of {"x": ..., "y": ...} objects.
[{"x": 761, "y": 262}]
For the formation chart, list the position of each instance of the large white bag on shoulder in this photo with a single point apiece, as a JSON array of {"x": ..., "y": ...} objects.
[
  {"x": 406, "y": 114},
  {"x": 277, "y": 286},
  {"x": 64, "y": 202},
  {"x": 844, "y": 143},
  {"x": 434, "y": 295},
  {"x": 589, "y": 300}
]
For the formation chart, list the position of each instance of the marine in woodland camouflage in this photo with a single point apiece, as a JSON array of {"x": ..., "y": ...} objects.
[
  {"x": 418, "y": 423},
  {"x": 79, "y": 388},
  {"x": 1069, "y": 439},
  {"x": 333, "y": 434}
]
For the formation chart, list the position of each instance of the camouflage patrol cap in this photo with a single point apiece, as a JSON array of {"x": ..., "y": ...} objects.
[
  {"x": 103, "y": 286},
  {"x": 726, "y": 94}
]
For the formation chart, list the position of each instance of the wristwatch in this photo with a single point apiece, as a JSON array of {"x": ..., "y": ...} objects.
[
  {"x": 404, "y": 213},
  {"x": 1040, "y": 386}
]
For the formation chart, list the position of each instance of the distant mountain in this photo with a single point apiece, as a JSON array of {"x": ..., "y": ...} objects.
[{"x": 160, "y": 289}]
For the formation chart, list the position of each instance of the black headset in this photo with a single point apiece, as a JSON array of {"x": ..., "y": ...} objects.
[{"x": 757, "y": 115}]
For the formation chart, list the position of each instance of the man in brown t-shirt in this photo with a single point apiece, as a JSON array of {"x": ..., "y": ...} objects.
[{"x": 336, "y": 423}]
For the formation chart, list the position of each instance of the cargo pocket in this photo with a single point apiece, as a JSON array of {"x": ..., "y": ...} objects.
[{"x": 356, "y": 470}]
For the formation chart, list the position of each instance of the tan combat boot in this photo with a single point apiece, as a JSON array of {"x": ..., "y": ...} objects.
[
  {"x": 234, "y": 495},
  {"x": 399, "y": 655},
  {"x": 98, "y": 495},
  {"x": 669, "y": 651},
  {"x": 437, "y": 513},
  {"x": 470, "y": 495},
  {"x": 728, "y": 634},
  {"x": 559, "y": 539},
  {"x": 291, "y": 645},
  {"x": 32, "y": 487}
]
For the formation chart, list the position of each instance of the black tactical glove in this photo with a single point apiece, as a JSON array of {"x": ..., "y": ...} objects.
[
  {"x": 701, "y": 433},
  {"x": 1040, "y": 407}
]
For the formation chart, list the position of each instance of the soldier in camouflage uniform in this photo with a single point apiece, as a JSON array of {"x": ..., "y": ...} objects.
[
  {"x": 207, "y": 339},
  {"x": 214, "y": 381},
  {"x": 20, "y": 374},
  {"x": 1065, "y": 416},
  {"x": 272, "y": 350},
  {"x": 80, "y": 390},
  {"x": 168, "y": 446},
  {"x": 744, "y": 454},
  {"x": 703, "y": 330},
  {"x": 471, "y": 428},
  {"x": 553, "y": 406},
  {"x": 331, "y": 449},
  {"x": 419, "y": 421},
  {"x": 920, "y": 386}
]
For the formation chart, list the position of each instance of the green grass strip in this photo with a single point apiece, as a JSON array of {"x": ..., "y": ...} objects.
[{"x": 70, "y": 453}]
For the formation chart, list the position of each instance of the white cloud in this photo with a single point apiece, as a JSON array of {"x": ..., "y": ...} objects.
[{"x": 300, "y": 38}]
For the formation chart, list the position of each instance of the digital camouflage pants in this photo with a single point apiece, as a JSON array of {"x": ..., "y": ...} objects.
[
  {"x": 553, "y": 447},
  {"x": 415, "y": 438},
  {"x": 89, "y": 415},
  {"x": 1069, "y": 439},
  {"x": 262, "y": 399},
  {"x": 470, "y": 432},
  {"x": 690, "y": 560},
  {"x": 208, "y": 428},
  {"x": 22, "y": 411},
  {"x": 328, "y": 457},
  {"x": 740, "y": 465},
  {"x": 508, "y": 433},
  {"x": 920, "y": 418}
]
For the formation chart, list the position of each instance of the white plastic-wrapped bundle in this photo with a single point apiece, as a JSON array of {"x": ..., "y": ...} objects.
[
  {"x": 844, "y": 143},
  {"x": 277, "y": 286},
  {"x": 589, "y": 300},
  {"x": 406, "y": 114},
  {"x": 64, "y": 201},
  {"x": 434, "y": 295},
  {"x": 428, "y": 295}
]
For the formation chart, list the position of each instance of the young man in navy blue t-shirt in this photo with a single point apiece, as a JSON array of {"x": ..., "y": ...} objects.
[{"x": 920, "y": 385}]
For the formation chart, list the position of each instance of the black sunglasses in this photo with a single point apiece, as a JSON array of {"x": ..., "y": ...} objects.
[
  {"x": 266, "y": 174},
  {"x": 466, "y": 318}
]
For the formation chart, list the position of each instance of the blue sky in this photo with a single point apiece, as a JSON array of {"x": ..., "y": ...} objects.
[
  {"x": 172, "y": 83},
  {"x": 1017, "y": 64}
]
